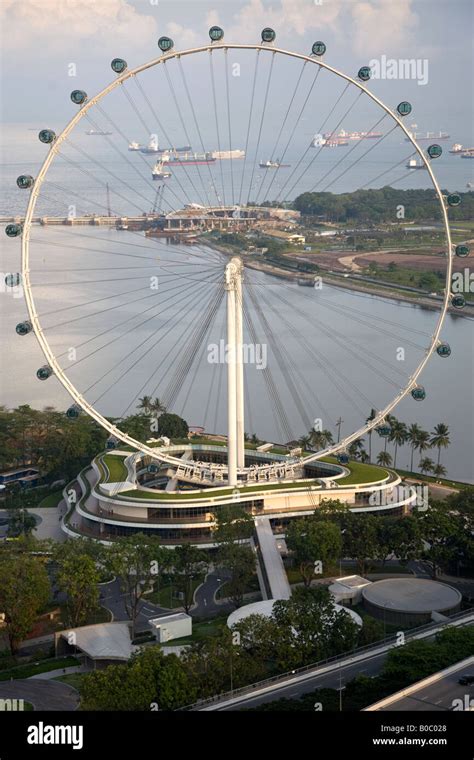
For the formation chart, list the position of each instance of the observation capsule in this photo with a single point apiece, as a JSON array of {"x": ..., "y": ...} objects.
[
  {"x": 458, "y": 301},
  {"x": 444, "y": 350},
  {"x": 118, "y": 65},
  {"x": 25, "y": 181},
  {"x": 73, "y": 412},
  {"x": 47, "y": 136},
  {"x": 404, "y": 108},
  {"x": 434, "y": 151},
  {"x": 268, "y": 35},
  {"x": 461, "y": 251},
  {"x": 216, "y": 33},
  {"x": 78, "y": 97},
  {"x": 23, "y": 328},
  {"x": 12, "y": 280},
  {"x": 165, "y": 44},
  {"x": 319, "y": 48},
  {"x": 384, "y": 430},
  {"x": 13, "y": 230},
  {"x": 364, "y": 73},
  {"x": 419, "y": 393},
  {"x": 44, "y": 372},
  {"x": 343, "y": 458},
  {"x": 454, "y": 199}
]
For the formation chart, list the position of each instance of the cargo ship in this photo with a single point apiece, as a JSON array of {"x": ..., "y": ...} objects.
[
  {"x": 343, "y": 135},
  {"x": 457, "y": 148},
  {"x": 153, "y": 147},
  {"x": 98, "y": 132},
  {"x": 414, "y": 164},
  {"x": 178, "y": 158},
  {"x": 468, "y": 153},
  {"x": 420, "y": 136},
  {"x": 159, "y": 172},
  {"x": 233, "y": 154},
  {"x": 273, "y": 165}
]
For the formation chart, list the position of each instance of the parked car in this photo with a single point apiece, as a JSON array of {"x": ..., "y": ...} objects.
[{"x": 466, "y": 679}]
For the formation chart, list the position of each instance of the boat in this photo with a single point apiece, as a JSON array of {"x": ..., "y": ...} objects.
[
  {"x": 159, "y": 173},
  {"x": 470, "y": 185},
  {"x": 98, "y": 132},
  {"x": 273, "y": 165},
  {"x": 457, "y": 148},
  {"x": 134, "y": 146},
  {"x": 414, "y": 164},
  {"x": 338, "y": 143},
  {"x": 469, "y": 153},
  {"x": 220, "y": 154},
  {"x": 420, "y": 136},
  {"x": 177, "y": 158}
]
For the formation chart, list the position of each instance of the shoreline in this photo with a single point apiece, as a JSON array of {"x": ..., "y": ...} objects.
[{"x": 379, "y": 291}]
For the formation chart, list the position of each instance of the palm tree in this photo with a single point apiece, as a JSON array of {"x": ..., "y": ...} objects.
[
  {"x": 157, "y": 407},
  {"x": 355, "y": 448},
  {"x": 391, "y": 421},
  {"x": 254, "y": 438},
  {"x": 413, "y": 434},
  {"x": 384, "y": 459},
  {"x": 372, "y": 415},
  {"x": 398, "y": 436},
  {"x": 320, "y": 438},
  {"x": 422, "y": 441},
  {"x": 364, "y": 457},
  {"x": 426, "y": 465},
  {"x": 304, "y": 442},
  {"x": 439, "y": 470},
  {"x": 440, "y": 438},
  {"x": 145, "y": 403}
]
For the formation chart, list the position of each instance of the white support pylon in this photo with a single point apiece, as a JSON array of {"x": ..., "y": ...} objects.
[{"x": 235, "y": 433}]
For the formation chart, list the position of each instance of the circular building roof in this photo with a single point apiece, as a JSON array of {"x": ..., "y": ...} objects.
[
  {"x": 414, "y": 595},
  {"x": 266, "y": 608}
]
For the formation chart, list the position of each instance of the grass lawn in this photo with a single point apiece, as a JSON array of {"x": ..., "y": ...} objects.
[
  {"x": 164, "y": 597},
  {"x": 203, "y": 630},
  {"x": 430, "y": 479},
  {"x": 72, "y": 679},
  {"x": 33, "y": 669},
  {"x": 52, "y": 500},
  {"x": 360, "y": 473},
  {"x": 116, "y": 467}
]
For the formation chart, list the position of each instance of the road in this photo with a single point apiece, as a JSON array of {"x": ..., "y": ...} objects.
[
  {"x": 42, "y": 694},
  {"x": 437, "y": 696},
  {"x": 332, "y": 680}
]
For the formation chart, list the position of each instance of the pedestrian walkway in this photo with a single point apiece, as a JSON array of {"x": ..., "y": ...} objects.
[{"x": 273, "y": 563}]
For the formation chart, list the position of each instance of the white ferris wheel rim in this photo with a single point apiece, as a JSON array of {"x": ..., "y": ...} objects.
[{"x": 25, "y": 261}]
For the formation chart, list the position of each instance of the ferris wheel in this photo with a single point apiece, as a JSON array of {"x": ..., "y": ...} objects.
[{"x": 205, "y": 147}]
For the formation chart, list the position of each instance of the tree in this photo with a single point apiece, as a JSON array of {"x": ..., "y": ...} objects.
[
  {"x": 360, "y": 539},
  {"x": 311, "y": 540},
  {"x": 439, "y": 471},
  {"x": 422, "y": 441},
  {"x": 440, "y": 438},
  {"x": 172, "y": 426},
  {"x": 398, "y": 436},
  {"x": 304, "y": 442},
  {"x": 384, "y": 458},
  {"x": 24, "y": 590},
  {"x": 145, "y": 403},
  {"x": 413, "y": 435},
  {"x": 441, "y": 530},
  {"x": 355, "y": 448},
  {"x": 219, "y": 663},
  {"x": 136, "y": 561},
  {"x": 189, "y": 565},
  {"x": 320, "y": 438},
  {"x": 426, "y": 465},
  {"x": 78, "y": 577},
  {"x": 239, "y": 561},
  {"x": 20, "y": 522},
  {"x": 150, "y": 680},
  {"x": 233, "y": 523},
  {"x": 312, "y": 627}
]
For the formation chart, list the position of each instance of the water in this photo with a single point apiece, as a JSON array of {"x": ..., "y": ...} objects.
[{"x": 337, "y": 350}]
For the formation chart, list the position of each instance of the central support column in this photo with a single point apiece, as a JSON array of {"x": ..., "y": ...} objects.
[{"x": 235, "y": 433}]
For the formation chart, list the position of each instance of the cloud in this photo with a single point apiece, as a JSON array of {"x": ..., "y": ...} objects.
[
  {"x": 382, "y": 27},
  {"x": 47, "y": 26}
]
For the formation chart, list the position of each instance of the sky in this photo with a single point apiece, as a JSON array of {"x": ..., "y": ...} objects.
[{"x": 43, "y": 41}]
